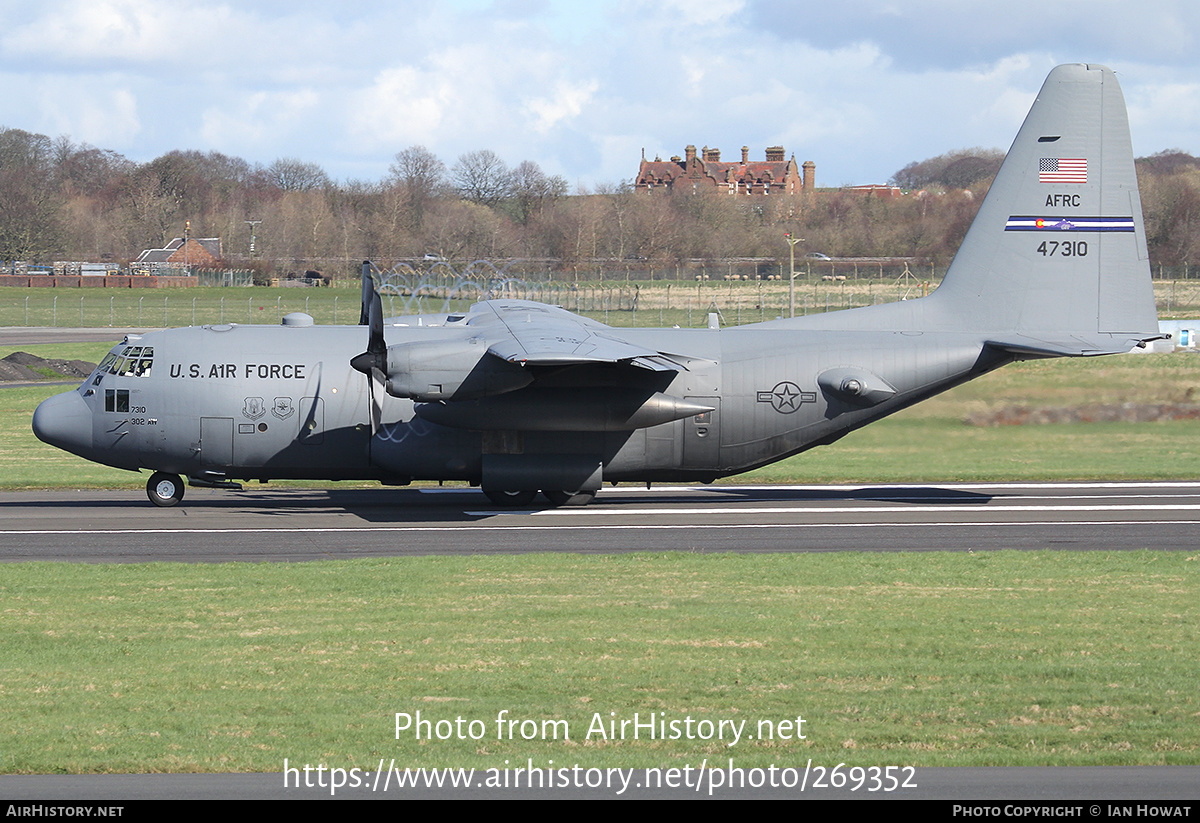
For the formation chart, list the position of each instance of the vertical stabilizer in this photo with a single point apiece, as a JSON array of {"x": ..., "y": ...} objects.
[{"x": 1056, "y": 259}]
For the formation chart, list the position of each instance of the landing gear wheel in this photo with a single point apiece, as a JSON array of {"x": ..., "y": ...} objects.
[
  {"x": 561, "y": 498},
  {"x": 164, "y": 489},
  {"x": 504, "y": 498}
]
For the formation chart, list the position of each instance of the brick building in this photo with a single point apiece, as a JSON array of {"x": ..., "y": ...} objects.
[
  {"x": 203, "y": 252},
  {"x": 707, "y": 172}
]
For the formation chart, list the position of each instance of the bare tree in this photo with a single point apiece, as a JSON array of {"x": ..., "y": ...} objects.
[
  {"x": 29, "y": 202},
  {"x": 460, "y": 230},
  {"x": 530, "y": 191},
  {"x": 293, "y": 174},
  {"x": 83, "y": 169},
  {"x": 481, "y": 177},
  {"x": 959, "y": 169},
  {"x": 421, "y": 176}
]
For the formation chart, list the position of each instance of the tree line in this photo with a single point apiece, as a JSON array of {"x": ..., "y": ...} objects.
[{"x": 60, "y": 200}]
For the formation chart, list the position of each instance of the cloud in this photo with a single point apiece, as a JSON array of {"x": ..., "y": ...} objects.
[
  {"x": 862, "y": 87},
  {"x": 100, "y": 110},
  {"x": 257, "y": 120},
  {"x": 404, "y": 106},
  {"x": 1169, "y": 108},
  {"x": 110, "y": 117},
  {"x": 125, "y": 30},
  {"x": 686, "y": 13},
  {"x": 944, "y": 34},
  {"x": 567, "y": 101}
]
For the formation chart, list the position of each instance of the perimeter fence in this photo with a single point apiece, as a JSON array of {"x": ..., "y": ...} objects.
[{"x": 408, "y": 290}]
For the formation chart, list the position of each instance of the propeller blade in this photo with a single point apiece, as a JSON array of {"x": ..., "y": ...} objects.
[
  {"x": 372, "y": 362},
  {"x": 375, "y": 357},
  {"x": 374, "y": 377},
  {"x": 368, "y": 288}
]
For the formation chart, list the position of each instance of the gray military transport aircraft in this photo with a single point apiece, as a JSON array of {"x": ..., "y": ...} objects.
[{"x": 521, "y": 397}]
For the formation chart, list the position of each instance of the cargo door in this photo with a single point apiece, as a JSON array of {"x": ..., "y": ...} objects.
[{"x": 216, "y": 441}]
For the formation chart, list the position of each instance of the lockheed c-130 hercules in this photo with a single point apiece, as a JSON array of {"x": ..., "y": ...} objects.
[{"x": 521, "y": 397}]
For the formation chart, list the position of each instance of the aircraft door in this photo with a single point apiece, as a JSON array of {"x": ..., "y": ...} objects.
[
  {"x": 702, "y": 435},
  {"x": 216, "y": 441}
]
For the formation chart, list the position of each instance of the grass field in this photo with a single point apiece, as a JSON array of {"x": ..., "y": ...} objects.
[
  {"x": 999, "y": 658},
  {"x": 1004, "y": 658}
]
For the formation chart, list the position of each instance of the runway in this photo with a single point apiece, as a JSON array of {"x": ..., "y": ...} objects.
[{"x": 267, "y": 524}]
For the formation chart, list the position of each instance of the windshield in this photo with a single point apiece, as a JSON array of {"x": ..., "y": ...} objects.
[{"x": 128, "y": 360}]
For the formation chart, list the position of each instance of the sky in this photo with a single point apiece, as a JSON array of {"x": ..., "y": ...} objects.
[{"x": 860, "y": 87}]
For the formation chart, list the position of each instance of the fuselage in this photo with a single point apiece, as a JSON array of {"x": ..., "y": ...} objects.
[{"x": 266, "y": 402}]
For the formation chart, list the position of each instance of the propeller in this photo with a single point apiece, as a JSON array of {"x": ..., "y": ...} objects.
[
  {"x": 368, "y": 288},
  {"x": 372, "y": 362}
]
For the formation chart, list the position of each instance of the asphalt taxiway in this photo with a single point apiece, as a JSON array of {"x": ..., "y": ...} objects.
[
  {"x": 38, "y": 335},
  {"x": 264, "y": 523}
]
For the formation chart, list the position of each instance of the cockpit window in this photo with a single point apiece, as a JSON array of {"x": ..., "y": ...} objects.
[{"x": 132, "y": 360}]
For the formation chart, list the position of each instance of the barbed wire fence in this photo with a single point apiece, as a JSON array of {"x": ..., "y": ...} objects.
[{"x": 739, "y": 291}]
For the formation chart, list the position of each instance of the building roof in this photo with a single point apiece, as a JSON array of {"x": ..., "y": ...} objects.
[
  {"x": 708, "y": 166},
  {"x": 208, "y": 248}
]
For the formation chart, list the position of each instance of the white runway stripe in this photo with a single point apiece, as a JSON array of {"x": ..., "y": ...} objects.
[{"x": 616, "y": 527}]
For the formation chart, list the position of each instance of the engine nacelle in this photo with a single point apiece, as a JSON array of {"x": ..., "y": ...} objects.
[{"x": 450, "y": 369}]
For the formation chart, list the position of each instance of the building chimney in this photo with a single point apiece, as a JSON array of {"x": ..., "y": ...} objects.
[
  {"x": 745, "y": 154},
  {"x": 690, "y": 154},
  {"x": 775, "y": 154},
  {"x": 810, "y": 176}
]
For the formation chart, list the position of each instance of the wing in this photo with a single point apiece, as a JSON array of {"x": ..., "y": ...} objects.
[
  {"x": 520, "y": 331},
  {"x": 551, "y": 370}
]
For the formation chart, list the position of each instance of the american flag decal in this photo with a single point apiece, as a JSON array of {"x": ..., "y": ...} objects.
[{"x": 1062, "y": 170}]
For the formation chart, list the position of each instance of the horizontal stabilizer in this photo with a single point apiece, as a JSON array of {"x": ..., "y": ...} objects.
[{"x": 1030, "y": 347}]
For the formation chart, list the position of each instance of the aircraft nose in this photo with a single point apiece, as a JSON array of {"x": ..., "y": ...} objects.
[{"x": 65, "y": 421}]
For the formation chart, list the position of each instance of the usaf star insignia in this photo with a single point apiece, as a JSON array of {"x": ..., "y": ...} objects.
[{"x": 786, "y": 397}]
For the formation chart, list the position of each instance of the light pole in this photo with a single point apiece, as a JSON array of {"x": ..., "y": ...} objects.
[
  {"x": 251, "y": 224},
  {"x": 792, "y": 241}
]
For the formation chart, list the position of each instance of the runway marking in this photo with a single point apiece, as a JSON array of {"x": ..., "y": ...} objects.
[
  {"x": 617, "y": 527},
  {"x": 914, "y": 509},
  {"x": 1099, "y": 484},
  {"x": 735, "y": 487},
  {"x": 996, "y": 500}
]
